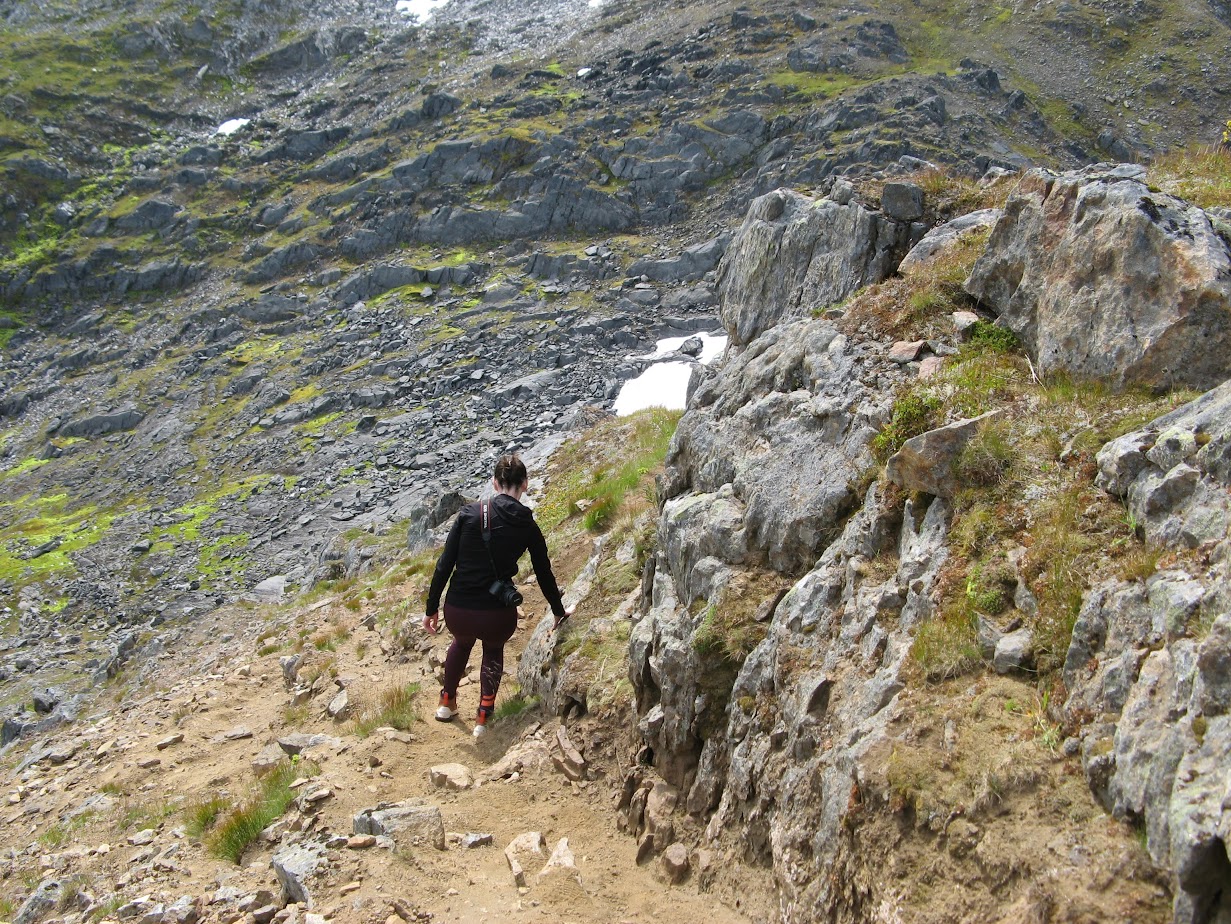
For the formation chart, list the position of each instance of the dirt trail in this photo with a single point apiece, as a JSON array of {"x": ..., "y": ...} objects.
[{"x": 76, "y": 819}]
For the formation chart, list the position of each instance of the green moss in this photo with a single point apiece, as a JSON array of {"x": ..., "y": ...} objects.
[
  {"x": 38, "y": 522},
  {"x": 21, "y": 468},
  {"x": 813, "y": 85}
]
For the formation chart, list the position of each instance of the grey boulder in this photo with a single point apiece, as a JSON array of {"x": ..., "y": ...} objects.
[
  {"x": 1105, "y": 279},
  {"x": 794, "y": 255}
]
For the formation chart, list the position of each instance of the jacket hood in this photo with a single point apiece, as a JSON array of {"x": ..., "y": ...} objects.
[{"x": 512, "y": 510}]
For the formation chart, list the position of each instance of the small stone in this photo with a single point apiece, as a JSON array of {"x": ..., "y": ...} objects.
[
  {"x": 339, "y": 706},
  {"x": 567, "y": 759},
  {"x": 674, "y": 864},
  {"x": 451, "y": 776},
  {"x": 905, "y": 351},
  {"x": 148, "y": 763},
  {"x": 238, "y": 733},
  {"x": 931, "y": 367},
  {"x": 350, "y": 887},
  {"x": 141, "y": 838},
  {"x": 902, "y": 201},
  {"x": 1014, "y": 651},
  {"x": 270, "y": 757},
  {"x": 471, "y": 840},
  {"x": 168, "y": 741},
  {"x": 361, "y": 841},
  {"x": 963, "y": 321}
]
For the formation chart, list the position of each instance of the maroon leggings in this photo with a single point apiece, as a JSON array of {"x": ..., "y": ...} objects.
[{"x": 493, "y": 628}]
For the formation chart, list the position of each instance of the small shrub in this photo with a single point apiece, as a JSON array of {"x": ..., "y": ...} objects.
[
  {"x": 982, "y": 380},
  {"x": 395, "y": 708},
  {"x": 976, "y": 529},
  {"x": 990, "y": 456},
  {"x": 985, "y": 336},
  {"x": 914, "y": 412}
]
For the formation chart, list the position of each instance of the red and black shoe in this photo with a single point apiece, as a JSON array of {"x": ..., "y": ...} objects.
[
  {"x": 487, "y": 706},
  {"x": 447, "y": 708}
]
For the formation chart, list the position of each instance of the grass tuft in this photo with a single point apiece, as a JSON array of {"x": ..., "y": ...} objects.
[
  {"x": 514, "y": 705},
  {"x": 395, "y": 708},
  {"x": 244, "y": 825},
  {"x": 202, "y": 815}
]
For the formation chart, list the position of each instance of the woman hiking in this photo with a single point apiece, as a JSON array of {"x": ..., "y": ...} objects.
[{"x": 478, "y": 563}]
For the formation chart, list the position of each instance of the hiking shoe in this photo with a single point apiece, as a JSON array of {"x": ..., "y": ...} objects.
[
  {"x": 447, "y": 708},
  {"x": 480, "y": 721}
]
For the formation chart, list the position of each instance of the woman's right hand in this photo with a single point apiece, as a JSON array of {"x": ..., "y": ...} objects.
[
  {"x": 568, "y": 611},
  {"x": 431, "y": 622}
]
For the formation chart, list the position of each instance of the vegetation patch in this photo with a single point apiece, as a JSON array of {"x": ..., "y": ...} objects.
[
  {"x": 394, "y": 708},
  {"x": 44, "y": 535},
  {"x": 613, "y": 462},
  {"x": 274, "y": 795},
  {"x": 1200, "y": 175},
  {"x": 201, "y": 816}
]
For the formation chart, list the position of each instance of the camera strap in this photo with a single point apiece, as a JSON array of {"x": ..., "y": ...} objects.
[{"x": 485, "y": 530}]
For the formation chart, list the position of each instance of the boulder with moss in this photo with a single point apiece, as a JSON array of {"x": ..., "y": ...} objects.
[{"x": 1103, "y": 278}]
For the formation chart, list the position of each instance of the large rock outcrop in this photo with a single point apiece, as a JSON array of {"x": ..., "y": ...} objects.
[
  {"x": 1102, "y": 278},
  {"x": 786, "y": 424},
  {"x": 1149, "y": 666},
  {"x": 794, "y": 254}
]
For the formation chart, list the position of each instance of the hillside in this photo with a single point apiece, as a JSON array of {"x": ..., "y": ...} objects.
[{"x": 278, "y": 282}]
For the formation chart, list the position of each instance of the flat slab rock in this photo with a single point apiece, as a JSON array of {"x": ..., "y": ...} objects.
[{"x": 406, "y": 823}]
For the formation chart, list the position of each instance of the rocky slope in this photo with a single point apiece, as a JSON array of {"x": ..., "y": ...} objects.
[
  {"x": 789, "y": 727},
  {"x": 239, "y": 363}
]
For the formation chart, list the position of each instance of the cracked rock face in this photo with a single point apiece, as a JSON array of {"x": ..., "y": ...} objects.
[
  {"x": 1149, "y": 661},
  {"x": 794, "y": 254}
]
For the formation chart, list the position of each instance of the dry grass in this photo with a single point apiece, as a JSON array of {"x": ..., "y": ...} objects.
[
  {"x": 394, "y": 708},
  {"x": 918, "y": 306},
  {"x": 948, "y": 195},
  {"x": 1201, "y": 175},
  {"x": 1000, "y": 746}
]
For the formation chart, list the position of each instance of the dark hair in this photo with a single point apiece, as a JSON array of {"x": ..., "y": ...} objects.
[{"x": 510, "y": 471}]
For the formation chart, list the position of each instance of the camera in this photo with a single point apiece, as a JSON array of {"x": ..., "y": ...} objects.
[{"x": 504, "y": 591}]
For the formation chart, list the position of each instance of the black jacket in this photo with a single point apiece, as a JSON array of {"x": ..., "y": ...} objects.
[{"x": 466, "y": 560}]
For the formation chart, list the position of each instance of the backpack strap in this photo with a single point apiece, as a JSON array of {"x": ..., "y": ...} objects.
[{"x": 485, "y": 530}]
